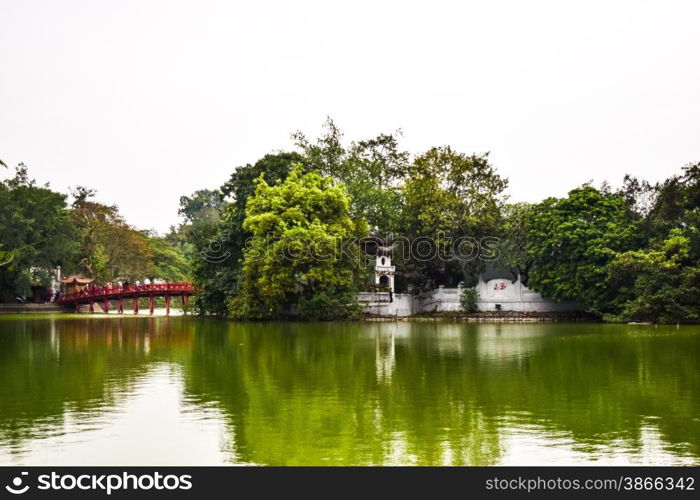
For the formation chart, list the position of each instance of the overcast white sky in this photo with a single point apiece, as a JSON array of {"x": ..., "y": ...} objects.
[{"x": 148, "y": 100}]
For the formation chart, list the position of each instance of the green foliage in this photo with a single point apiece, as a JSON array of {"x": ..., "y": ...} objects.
[
  {"x": 660, "y": 284},
  {"x": 39, "y": 232},
  {"x": 468, "y": 300},
  {"x": 110, "y": 249},
  {"x": 169, "y": 263},
  {"x": 513, "y": 240},
  {"x": 35, "y": 234},
  {"x": 573, "y": 239},
  {"x": 372, "y": 171},
  {"x": 214, "y": 231},
  {"x": 674, "y": 199},
  {"x": 202, "y": 214},
  {"x": 296, "y": 226},
  {"x": 204, "y": 204},
  {"x": 329, "y": 305},
  {"x": 448, "y": 196}
]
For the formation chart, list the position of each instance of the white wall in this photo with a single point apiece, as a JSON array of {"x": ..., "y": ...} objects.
[
  {"x": 379, "y": 304},
  {"x": 512, "y": 296}
]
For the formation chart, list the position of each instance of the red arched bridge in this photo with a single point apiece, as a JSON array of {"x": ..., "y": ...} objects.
[{"x": 105, "y": 294}]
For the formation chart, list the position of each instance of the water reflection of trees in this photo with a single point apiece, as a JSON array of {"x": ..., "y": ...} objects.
[
  {"x": 49, "y": 368},
  {"x": 357, "y": 393},
  {"x": 324, "y": 394},
  {"x": 303, "y": 394}
]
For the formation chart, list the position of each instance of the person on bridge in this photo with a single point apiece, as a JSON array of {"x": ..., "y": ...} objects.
[{"x": 146, "y": 281}]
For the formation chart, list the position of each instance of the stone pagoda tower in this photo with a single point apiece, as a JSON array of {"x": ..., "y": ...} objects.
[{"x": 383, "y": 270}]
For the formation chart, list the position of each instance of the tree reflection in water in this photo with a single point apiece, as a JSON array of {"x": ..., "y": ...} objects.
[{"x": 366, "y": 393}]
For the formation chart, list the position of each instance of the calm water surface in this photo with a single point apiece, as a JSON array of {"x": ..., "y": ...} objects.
[{"x": 146, "y": 391}]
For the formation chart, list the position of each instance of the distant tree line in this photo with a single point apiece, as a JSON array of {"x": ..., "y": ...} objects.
[
  {"x": 40, "y": 230},
  {"x": 627, "y": 254}
]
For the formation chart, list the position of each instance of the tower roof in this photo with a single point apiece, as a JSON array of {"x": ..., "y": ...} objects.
[{"x": 384, "y": 250}]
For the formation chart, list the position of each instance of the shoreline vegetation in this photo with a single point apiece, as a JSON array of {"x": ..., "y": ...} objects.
[
  {"x": 485, "y": 316},
  {"x": 457, "y": 316},
  {"x": 251, "y": 247}
]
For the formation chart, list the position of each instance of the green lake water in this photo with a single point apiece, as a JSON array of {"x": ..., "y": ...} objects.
[{"x": 180, "y": 391}]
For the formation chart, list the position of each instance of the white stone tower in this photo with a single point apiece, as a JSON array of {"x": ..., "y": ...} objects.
[{"x": 383, "y": 270}]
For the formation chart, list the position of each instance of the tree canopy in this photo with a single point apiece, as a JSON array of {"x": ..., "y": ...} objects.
[
  {"x": 292, "y": 259},
  {"x": 573, "y": 239},
  {"x": 449, "y": 197},
  {"x": 627, "y": 254},
  {"x": 36, "y": 234}
]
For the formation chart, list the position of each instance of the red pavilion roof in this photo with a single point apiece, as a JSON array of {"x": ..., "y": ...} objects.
[{"x": 77, "y": 279}]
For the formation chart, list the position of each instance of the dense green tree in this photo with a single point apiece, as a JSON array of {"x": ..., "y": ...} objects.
[
  {"x": 201, "y": 213},
  {"x": 35, "y": 234},
  {"x": 372, "y": 171},
  {"x": 110, "y": 249},
  {"x": 202, "y": 205},
  {"x": 169, "y": 263},
  {"x": 292, "y": 258},
  {"x": 674, "y": 199},
  {"x": 241, "y": 186},
  {"x": 450, "y": 197},
  {"x": 214, "y": 230},
  {"x": 573, "y": 239},
  {"x": 661, "y": 282},
  {"x": 512, "y": 244}
]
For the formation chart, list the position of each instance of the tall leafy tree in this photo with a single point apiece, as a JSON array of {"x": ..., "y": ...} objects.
[
  {"x": 449, "y": 197},
  {"x": 512, "y": 244},
  {"x": 169, "y": 262},
  {"x": 35, "y": 234},
  {"x": 573, "y": 239},
  {"x": 110, "y": 249},
  {"x": 372, "y": 171},
  {"x": 662, "y": 281},
  {"x": 214, "y": 229},
  {"x": 675, "y": 198},
  {"x": 292, "y": 259}
]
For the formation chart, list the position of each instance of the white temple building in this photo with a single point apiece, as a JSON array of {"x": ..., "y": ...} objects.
[{"x": 495, "y": 294}]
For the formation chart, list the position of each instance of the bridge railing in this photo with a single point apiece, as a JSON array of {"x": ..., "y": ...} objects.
[{"x": 144, "y": 290}]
